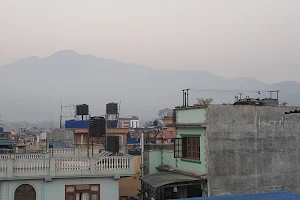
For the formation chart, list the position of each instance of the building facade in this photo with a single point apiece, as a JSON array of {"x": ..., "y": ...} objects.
[
  {"x": 61, "y": 188},
  {"x": 252, "y": 149},
  {"x": 237, "y": 149},
  {"x": 63, "y": 174},
  {"x": 129, "y": 122},
  {"x": 182, "y": 170}
]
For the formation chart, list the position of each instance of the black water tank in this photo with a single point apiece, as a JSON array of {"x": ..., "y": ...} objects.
[
  {"x": 269, "y": 102},
  {"x": 82, "y": 109},
  {"x": 112, "y": 123},
  {"x": 112, "y": 108},
  {"x": 97, "y": 126},
  {"x": 113, "y": 144},
  {"x": 134, "y": 152}
]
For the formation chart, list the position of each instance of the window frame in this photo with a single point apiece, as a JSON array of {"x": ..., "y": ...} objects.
[
  {"x": 33, "y": 195},
  {"x": 82, "y": 191},
  {"x": 187, "y": 148}
]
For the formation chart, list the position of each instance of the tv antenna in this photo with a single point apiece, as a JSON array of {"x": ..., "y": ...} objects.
[{"x": 62, "y": 107}]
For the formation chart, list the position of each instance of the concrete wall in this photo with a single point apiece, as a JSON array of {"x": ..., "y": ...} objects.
[
  {"x": 154, "y": 160},
  {"x": 61, "y": 135},
  {"x": 190, "y": 116},
  {"x": 129, "y": 186},
  {"x": 109, "y": 188},
  {"x": 252, "y": 149}
]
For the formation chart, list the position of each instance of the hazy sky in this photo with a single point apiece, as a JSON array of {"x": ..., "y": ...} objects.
[{"x": 228, "y": 37}]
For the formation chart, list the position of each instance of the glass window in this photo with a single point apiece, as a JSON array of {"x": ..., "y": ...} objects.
[
  {"x": 94, "y": 197},
  {"x": 25, "y": 191},
  {"x": 70, "y": 197},
  {"x": 70, "y": 189},
  {"x": 82, "y": 192},
  {"x": 94, "y": 188},
  {"x": 187, "y": 147},
  {"x": 83, "y": 196}
]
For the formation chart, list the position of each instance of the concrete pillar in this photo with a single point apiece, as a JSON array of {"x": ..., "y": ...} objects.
[
  {"x": 76, "y": 152},
  {"x": 131, "y": 164},
  {"x": 47, "y": 155},
  {"x": 9, "y": 167},
  {"x": 52, "y": 166},
  {"x": 92, "y": 165}
]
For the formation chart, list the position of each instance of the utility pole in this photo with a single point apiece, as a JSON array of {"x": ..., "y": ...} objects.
[
  {"x": 60, "y": 117},
  {"x": 88, "y": 145},
  {"x": 142, "y": 153},
  {"x": 92, "y": 147}
]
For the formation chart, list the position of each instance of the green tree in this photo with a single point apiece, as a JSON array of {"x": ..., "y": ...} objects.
[{"x": 166, "y": 112}]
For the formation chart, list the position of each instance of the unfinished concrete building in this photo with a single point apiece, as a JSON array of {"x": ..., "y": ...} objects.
[
  {"x": 235, "y": 148},
  {"x": 252, "y": 149}
]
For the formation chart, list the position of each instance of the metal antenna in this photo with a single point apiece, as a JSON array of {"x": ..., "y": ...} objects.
[
  {"x": 187, "y": 97},
  {"x": 60, "y": 117},
  {"x": 183, "y": 98},
  {"x": 240, "y": 94},
  {"x": 61, "y": 113},
  {"x": 119, "y": 107}
]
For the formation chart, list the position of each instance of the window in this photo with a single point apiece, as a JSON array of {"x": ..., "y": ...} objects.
[
  {"x": 187, "y": 147},
  {"x": 25, "y": 192},
  {"x": 82, "y": 192}
]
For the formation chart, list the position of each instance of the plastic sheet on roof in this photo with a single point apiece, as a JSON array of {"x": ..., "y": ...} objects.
[{"x": 279, "y": 195}]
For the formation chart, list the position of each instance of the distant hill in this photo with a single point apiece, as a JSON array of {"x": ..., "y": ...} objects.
[{"x": 33, "y": 88}]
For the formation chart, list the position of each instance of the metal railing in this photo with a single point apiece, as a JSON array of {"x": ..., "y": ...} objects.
[{"x": 40, "y": 166}]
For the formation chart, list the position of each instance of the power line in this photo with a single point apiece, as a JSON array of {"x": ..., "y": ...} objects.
[{"x": 234, "y": 91}]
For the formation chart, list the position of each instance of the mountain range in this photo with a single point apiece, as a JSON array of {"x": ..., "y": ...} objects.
[{"x": 33, "y": 88}]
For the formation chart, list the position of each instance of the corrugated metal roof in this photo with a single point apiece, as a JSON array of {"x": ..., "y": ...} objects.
[
  {"x": 279, "y": 195},
  {"x": 163, "y": 178}
]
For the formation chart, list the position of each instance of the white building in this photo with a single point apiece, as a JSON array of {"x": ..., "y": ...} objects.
[
  {"x": 41, "y": 136},
  {"x": 67, "y": 174},
  {"x": 129, "y": 122},
  {"x": 134, "y": 121}
]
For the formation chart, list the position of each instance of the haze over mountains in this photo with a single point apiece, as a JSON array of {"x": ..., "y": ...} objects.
[{"x": 33, "y": 88}]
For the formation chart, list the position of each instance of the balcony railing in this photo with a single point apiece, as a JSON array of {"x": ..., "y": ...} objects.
[
  {"x": 38, "y": 166},
  {"x": 67, "y": 152}
]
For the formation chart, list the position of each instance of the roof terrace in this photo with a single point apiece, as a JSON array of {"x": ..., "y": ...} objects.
[{"x": 63, "y": 163}]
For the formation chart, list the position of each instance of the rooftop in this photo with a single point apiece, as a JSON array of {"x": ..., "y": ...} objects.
[
  {"x": 65, "y": 163},
  {"x": 279, "y": 195}
]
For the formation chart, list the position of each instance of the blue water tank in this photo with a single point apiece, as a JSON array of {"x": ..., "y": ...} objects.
[
  {"x": 133, "y": 140},
  {"x": 77, "y": 124},
  {"x": 1, "y": 130}
]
